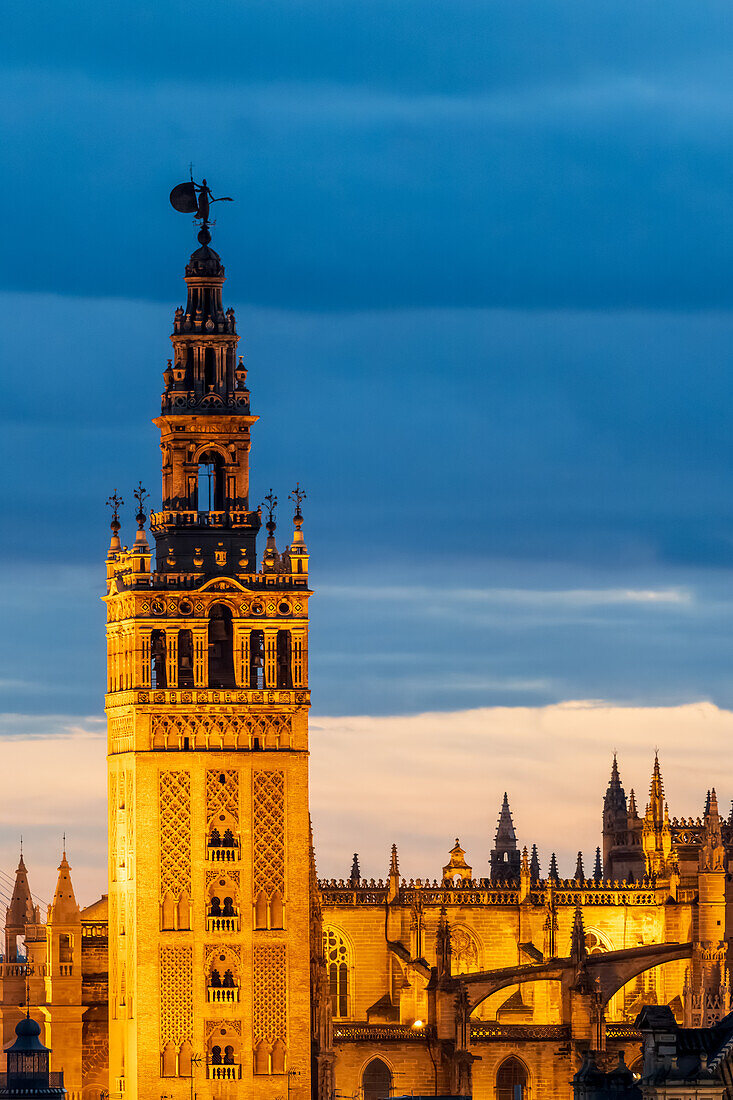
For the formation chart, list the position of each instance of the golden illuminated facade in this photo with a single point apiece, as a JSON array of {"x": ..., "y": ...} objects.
[
  {"x": 207, "y": 711},
  {"x": 218, "y": 966}
]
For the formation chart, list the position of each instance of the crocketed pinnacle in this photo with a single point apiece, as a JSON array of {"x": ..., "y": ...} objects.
[
  {"x": 394, "y": 865},
  {"x": 615, "y": 797},
  {"x": 553, "y": 874},
  {"x": 355, "y": 869},
  {"x": 579, "y": 872},
  {"x": 598, "y": 868},
  {"x": 505, "y": 834},
  {"x": 63, "y": 909},
  {"x": 656, "y": 794},
  {"x": 633, "y": 812},
  {"x": 20, "y": 911},
  {"x": 534, "y": 864}
]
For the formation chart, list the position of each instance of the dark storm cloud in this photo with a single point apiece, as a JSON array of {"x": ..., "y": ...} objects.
[
  {"x": 382, "y": 154},
  {"x": 504, "y": 507}
]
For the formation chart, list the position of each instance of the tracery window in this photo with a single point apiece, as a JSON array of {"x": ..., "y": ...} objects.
[
  {"x": 338, "y": 965},
  {"x": 511, "y": 1081},
  {"x": 594, "y": 943},
  {"x": 465, "y": 953}
]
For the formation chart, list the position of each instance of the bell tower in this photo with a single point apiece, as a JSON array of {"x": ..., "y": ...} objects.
[{"x": 207, "y": 705}]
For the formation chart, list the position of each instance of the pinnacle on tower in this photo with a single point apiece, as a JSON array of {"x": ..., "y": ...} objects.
[
  {"x": 578, "y": 949},
  {"x": 552, "y": 874},
  {"x": 505, "y": 828},
  {"x": 63, "y": 909},
  {"x": 598, "y": 869},
  {"x": 534, "y": 865},
  {"x": 355, "y": 875},
  {"x": 579, "y": 872},
  {"x": 20, "y": 911},
  {"x": 505, "y": 856},
  {"x": 614, "y": 802},
  {"x": 656, "y": 794}
]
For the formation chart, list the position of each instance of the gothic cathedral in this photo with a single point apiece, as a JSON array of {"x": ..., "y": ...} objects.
[{"x": 207, "y": 705}]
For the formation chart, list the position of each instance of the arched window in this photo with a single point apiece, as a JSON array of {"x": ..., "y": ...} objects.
[
  {"x": 465, "y": 952},
  {"x": 210, "y": 483},
  {"x": 511, "y": 1081},
  {"x": 338, "y": 965},
  {"x": 376, "y": 1080},
  {"x": 221, "y": 652},
  {"x": 158, "y": 674},
  {"x": 284, "y": 662},
  {"x": 185, "y": 659},
  {"x": 209, "y": 368},
  {"x": 256, "y": 659}
]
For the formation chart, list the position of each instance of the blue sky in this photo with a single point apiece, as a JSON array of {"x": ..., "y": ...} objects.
[{"x": 480, "y": 255}]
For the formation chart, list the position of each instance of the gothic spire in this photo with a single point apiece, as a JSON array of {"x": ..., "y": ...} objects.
[
  {"x": 552, "y": 874},
  {"x": 633, "y": 812},
  {"x": 656, "y": 794},
  {"x": 534, "y": 865},
  {"x": 394, "y": 865},
  {"x": 598, "y": 869},
  {"x": 63, "y": 909},
  {"x": 615, "y": 798},
  {"x": 505, "y": 828},
  {"x": 578, "y": 949},
  {"x": 505, "y": 856},
  {"x": 579, "y": 872},
  {"x": 20, "y": 911}
]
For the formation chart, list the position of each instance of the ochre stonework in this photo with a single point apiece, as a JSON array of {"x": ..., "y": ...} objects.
[{"x": 218, "y": 965}]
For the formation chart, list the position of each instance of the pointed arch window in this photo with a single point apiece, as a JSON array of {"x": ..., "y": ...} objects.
[
  {"x": 376, "y": 1080},
  {"x": 512, "y": 1081},
  {"x": 339, "y": 968}
]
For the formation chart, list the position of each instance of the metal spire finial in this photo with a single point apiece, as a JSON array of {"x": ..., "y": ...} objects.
[
  {"x": 115, "y": 503},
  {"x": 141, "y": 495},
  {"x": 271, "y": 502},
  {"x": 297, "y": 496}
]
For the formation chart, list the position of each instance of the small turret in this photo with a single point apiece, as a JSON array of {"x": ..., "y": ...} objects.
[
  {"x": 63, "y": 909},
  {"x": 18, "y": 914},
  {"x": 505, "y": 856},
  {"x": 456, "y": 867}
]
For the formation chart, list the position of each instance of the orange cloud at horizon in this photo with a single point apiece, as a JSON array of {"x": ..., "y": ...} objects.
[{"x": 417, "y": 780}]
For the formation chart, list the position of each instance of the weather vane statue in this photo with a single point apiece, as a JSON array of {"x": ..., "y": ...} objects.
[{"x": 195, "y": 198}]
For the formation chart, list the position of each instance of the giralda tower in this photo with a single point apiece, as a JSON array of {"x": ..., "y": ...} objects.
[{"x": 207, "y": 706}]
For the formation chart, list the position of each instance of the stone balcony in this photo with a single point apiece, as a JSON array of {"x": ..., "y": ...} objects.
[{"x": 223, "y": 995}]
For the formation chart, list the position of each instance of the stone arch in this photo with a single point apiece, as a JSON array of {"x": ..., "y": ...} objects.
[
  {"x": 223, "y": 1049},
  {"x": 376, "y": 1079},
  {"x": 223, "y": 971},
  {"x": 223, "y": 904},
  {"x": 512, "y": 1079},
  {"x": 223, "y": 833}
]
